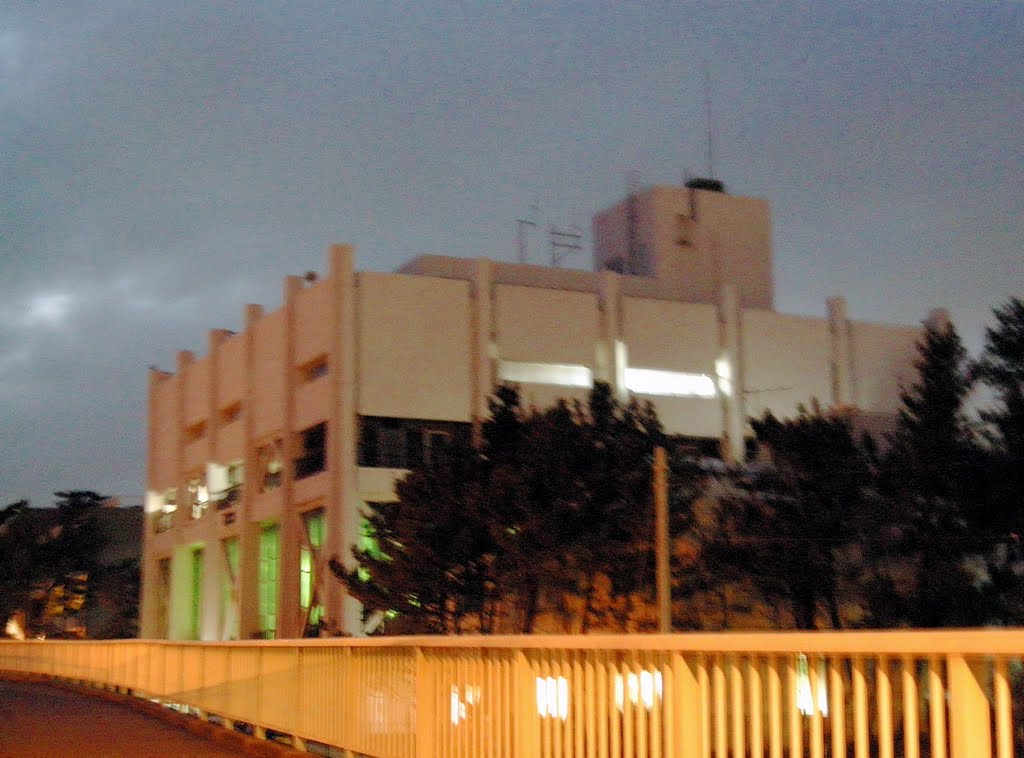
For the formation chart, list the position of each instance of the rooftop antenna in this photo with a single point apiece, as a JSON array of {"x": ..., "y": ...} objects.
[
  {"x": 710, "y": 136},
  {"x": 521, "y": 224},
  {"x": 564, "y": 241}
]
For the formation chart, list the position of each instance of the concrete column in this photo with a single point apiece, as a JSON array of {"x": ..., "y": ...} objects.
[
  {"x": 289, "y": 617},
  {"x": 182, "y": 515},
  {"x": 730, "y": 377},
  {"x": 841, "y": 353},
  {"x": 342, "y": 511},
  {"x": 482, "y": 329},
  {"x": 149, "y": 594},
  {"x": 249, "y": 532},
  {"x": 611, "y": 353},
  {"x": 215, "y": 566}
]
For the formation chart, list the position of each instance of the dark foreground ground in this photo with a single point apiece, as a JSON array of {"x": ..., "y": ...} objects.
[{"x": 39, "y": 720}]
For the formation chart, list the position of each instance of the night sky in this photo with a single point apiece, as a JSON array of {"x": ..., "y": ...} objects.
[{"x": 161, "y": 167}]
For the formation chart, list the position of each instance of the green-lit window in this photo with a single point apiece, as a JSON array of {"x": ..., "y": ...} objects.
[
  {"x": 163, "y": 573},
  {"x": 270, "y": 552},
  {"x": 315, "y": 531},
  {"x": 228, "y": 606},
  {"x": 196, "y": 608}
]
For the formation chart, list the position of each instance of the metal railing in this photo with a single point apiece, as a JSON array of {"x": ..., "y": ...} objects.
[{"x": 937, "y": 694}]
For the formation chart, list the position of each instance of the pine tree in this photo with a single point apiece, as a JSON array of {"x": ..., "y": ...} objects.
[
  {"x": 1001, "y": 368},
  {"x": 926, "y": 482},
  {"x": 802, "y": 513}
]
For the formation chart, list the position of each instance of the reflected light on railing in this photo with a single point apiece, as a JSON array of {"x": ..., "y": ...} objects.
[
  {"x": 804, "y": 699},
  {"x": 553, "y": 697},
  {"x": 644, "y": 689},
  {"x": 461, "y": 700}
]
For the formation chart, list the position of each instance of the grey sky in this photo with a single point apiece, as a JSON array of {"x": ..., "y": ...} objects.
[{"x": 159, "y": 167}]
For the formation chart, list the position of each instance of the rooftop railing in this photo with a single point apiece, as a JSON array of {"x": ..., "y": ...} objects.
[{"x": 937, "y": 694}]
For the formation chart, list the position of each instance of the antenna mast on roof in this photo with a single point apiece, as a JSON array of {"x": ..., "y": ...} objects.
[
  {"x": 564, "y": 241},
  {"x": 521, "y": 224},
  {"x": 709, "y": 121}
]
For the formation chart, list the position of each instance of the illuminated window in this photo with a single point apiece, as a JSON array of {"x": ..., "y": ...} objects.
[
  {"x": 198, "y": 496},
  {"x": 309, "y": 558},
  {"x": 269, "y": 564},
  {"x": 196, "y": 605},
  {"x": 723, "y": 371},
  {"x": 646, "y": 381},
  {"x": 269, "y": 465},
  {"x": 556, "y": 374}
]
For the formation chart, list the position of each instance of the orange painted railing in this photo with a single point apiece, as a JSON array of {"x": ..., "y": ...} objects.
[{"x": 943, "y": 694}]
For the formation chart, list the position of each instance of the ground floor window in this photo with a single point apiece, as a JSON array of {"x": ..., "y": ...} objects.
[
  {"x": 269, "y": 565},
  {"x": 196, "y": 604},
  {"x": 309, "y": 560}
]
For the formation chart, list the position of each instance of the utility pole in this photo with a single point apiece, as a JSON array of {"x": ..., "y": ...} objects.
[{"x": 661, "y": 541}]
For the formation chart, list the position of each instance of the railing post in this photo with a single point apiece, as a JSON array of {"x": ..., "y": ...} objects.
[
  {"x": 969, "y": 717},
  {"x": 688, "y": 733},
  {"x": 425, "y": 710},
  {"x": 526, "y": 721}
]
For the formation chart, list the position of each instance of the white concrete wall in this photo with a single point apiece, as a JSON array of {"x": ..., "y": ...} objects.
[
  {"x": 784, "y": 362},
  {"x": 883, "y": 357},
  {"x": 546, "y": 326},
  {"x": 414, "y": 347}
]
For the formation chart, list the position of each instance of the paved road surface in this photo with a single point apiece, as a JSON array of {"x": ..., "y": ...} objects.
[{"x": 43, "y": 721}]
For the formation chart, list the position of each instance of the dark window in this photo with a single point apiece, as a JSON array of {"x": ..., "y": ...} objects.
[
  {"x": 313, "y": 445},
  {"x": 404, "y": 443}
]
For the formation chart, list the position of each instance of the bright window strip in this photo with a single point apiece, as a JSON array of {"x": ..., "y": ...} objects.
[
  {"x": 270, "y": 549},
  {"x": 648, "y": 381},
  {"x": 556, "y": 374}
]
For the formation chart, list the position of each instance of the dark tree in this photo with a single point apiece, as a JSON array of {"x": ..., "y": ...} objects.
[
  {"x": 427, "y": 556},
  {"x": 926, "y": 481},
  {"x": 1001, "y": 514},
  {"x": 548, "y": 504},
  {"x": 801, "y": 513}
]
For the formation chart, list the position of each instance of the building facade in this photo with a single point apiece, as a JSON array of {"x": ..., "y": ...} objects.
[{"x": 263, "y": 452}]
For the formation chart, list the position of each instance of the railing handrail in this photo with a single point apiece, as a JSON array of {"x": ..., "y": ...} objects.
[{"x": 974, "y": 642}]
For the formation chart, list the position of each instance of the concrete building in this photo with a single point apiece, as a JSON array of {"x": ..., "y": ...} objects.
[{"x": 262, "y": 452}]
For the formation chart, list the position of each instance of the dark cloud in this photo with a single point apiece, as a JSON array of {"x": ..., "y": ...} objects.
[{"x": 163, "y": 164}]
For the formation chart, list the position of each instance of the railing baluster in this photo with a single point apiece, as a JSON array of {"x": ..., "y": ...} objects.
[
  {"x": 774, "y": 707},
  {"x": 796, "y": 722},
  {"x": 936, "y": 708},
  {"x": 837, "y": 707},
  {"x": 860, "y": 709},
  {"x": 1004, "y": 710}
]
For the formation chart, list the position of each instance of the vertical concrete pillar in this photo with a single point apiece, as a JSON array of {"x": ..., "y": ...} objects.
[
  {"x": 482, "y": 331},
  {"x": 149, "y": 590},
  {"x": 610, "y": 359},
  {"x": 249, "y": 531},
  {"x": 289, "y": 617},
  {"x": 729, "y": 375},
  {"x": 183, "y": 513},
  {"x": 841, "y": 353},
  {"x": 216, "y": 568},
  {"x": 342, "y": 511}
]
